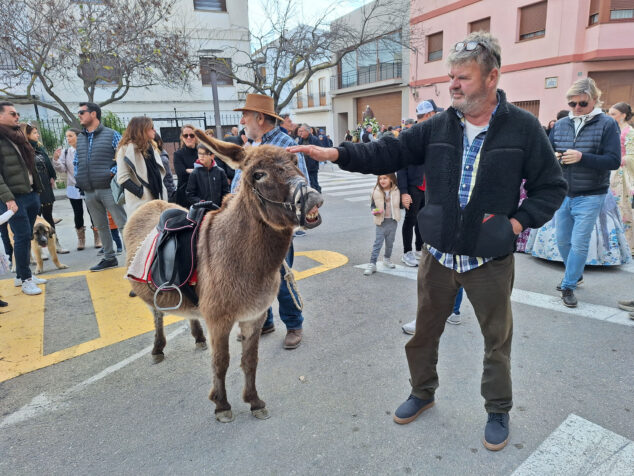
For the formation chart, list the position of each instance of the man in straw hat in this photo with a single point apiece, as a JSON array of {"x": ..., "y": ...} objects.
[{"x": 259, "y": 122}]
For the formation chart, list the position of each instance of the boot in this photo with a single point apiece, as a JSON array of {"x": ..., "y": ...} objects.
[
  {"x": 97, "y": 239},
  {"x": 60, "y": 250},
  {"x": 81, "y": 238}
]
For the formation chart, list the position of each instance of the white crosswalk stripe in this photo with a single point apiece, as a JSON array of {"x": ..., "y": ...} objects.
[{"x": 352, "y": 187}]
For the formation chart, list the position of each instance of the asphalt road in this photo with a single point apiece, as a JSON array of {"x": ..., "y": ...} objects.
[{"x": 110, "y": 411}]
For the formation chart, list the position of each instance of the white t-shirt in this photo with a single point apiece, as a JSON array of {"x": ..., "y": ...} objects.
[{"x": 472, "y": 130}]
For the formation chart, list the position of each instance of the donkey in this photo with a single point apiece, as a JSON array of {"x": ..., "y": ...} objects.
[{"x": 241, "y": 248}]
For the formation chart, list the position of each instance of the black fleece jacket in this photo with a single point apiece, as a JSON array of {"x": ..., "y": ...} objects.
[{"x": 515, "y": 147}]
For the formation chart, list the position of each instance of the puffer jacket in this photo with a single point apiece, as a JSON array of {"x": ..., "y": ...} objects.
[
  {"x": 598, "y": 140},
  {"x": 14, "y": 175},
  {"x": 378, "y": 198}
]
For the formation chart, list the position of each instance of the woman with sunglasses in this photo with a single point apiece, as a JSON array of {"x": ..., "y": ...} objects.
[
  {"x": 587, "y": 227},
  {"x": 184, "y": 159}
]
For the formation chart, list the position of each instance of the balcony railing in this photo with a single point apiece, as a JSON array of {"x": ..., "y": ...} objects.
[{"x": 367, "y": 75}]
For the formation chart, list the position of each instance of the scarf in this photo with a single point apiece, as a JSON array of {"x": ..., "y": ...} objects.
[
  {"x": 153, "y": 174},
  {"x": 14, "y": 134},
  {"x": 580, "y": 121}
]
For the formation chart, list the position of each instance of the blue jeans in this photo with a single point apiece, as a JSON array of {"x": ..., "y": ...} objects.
[
  {"x": 289, "y": 314},
  {"x": 458, "y": 301},
  {"x": 575, "y": 220},
  {"x": 22, "y": 226}
]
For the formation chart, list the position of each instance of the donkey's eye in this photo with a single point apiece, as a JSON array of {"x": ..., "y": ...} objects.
[{"x": 258, "y": 175}]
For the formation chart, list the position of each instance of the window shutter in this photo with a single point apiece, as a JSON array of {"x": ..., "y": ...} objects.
[
  {"x": 533, "y": 18},
  {"x": 621, "y": 5},
  {"x": 594, "y": 6},
  {"x": 480, "y": 25},
  {"x": 434, "y": 46}
]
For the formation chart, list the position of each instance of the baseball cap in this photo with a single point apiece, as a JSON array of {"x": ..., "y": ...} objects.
[
  {"x": 424, "y": 108},
  {"x": 436, "y": 108}
]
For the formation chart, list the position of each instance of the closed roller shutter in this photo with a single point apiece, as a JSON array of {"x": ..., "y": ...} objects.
[{"x": 386, "y": 108}]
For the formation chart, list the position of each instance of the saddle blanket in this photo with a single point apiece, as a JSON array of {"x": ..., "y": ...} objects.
[{"x": 139, "y": 269}]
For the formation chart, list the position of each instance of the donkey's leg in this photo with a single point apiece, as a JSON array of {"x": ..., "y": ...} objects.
[
  {"x": 159, "y": 337},
  {"x": 197, "y": 331},
  {"x": 251, "y": 332},
  {"x": 219, "y": 336}
]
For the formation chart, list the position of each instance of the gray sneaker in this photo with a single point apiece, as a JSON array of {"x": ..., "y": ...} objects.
[
  {"x": 410, "y": 327},
  {"x": 387, "y": 262},
  {"x": 409, "y": 259},
  {"x": 454, "y": 319},
  {"x": 371, "y": 269},
  {"x": 17, "y": 282},
  {"x": 418, "y": 255},
  {"x": 30, "y": 288}
]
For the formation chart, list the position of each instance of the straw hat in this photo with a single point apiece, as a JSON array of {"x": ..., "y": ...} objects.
[{"x": 260, "y": 103}]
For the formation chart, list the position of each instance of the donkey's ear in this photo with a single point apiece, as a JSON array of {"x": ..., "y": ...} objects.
[{"x": 231, "y": 154}]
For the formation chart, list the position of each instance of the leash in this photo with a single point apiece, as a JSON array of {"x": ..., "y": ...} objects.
[{"x": 291, "y": 285}]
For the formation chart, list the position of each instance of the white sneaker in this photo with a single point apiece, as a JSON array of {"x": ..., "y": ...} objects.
[
  {"x": 387, "y": 262},
  {"x": 418, "y": 255},
  {"x": 454, "y": 319},
  {"x": 29, "y": 287},
  {"x": 371, "y": 269},
  {"x": 409, "y": 259},
  {"x": 17, "y": 282},
  {"x": 410, "y": 327}
]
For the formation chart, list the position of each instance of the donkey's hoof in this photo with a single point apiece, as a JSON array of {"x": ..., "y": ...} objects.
[
  {"x": 261, "y": 414},
  {"x": 225, "y": 416},
  {"x": 201, "y": 345},
  {"x": 158, "y": 358}
]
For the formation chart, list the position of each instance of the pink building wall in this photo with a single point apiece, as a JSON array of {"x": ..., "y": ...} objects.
[{"x": 569, "y": 49}]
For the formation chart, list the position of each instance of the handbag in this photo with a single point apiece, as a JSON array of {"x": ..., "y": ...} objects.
[{"x": 117, "y": 191}]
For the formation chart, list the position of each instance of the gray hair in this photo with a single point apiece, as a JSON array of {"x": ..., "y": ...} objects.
[
  {"x": 305, "y": 126},
  {"x": 585, "y": 86},
  {"x": 488, "y": 53}
]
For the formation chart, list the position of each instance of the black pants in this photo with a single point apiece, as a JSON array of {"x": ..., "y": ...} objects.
[
  {"x": 410, "y": 223},
  {"x": 78, "y": 212},
  {"x": 8, "y": 248},
  {"x": 46, "y": 210},
  {"x": 314, "y": 182}
]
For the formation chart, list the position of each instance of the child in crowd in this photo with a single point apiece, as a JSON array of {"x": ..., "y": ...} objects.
[
  {"x": 208, "y": 182},
  {"x": 116, "y": 236},
  {"x": 454, "y": 319},
  {"x": 385, "y": 207}
]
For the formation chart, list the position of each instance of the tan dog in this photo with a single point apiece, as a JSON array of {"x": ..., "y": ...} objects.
[{"x": 43, "y": 236}]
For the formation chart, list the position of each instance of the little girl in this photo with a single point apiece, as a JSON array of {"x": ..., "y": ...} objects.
[{"x": 385, "y": 208}]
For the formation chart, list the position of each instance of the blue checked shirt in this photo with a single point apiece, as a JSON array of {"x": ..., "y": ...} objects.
[
  {"x": 275, "y": 137},
  {"x": 470, "y": 163}
]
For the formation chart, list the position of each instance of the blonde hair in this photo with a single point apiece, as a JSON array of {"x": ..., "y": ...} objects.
[{"x": 585, "y": 86}]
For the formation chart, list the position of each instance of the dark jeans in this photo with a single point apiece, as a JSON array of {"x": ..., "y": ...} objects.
[
  {"x": 46, "y": 210},
  {"x": 6, "y": 241},
  {"x": 78, "y": 212},
  {"x": 22, "y": 226},
  {"x": 489, "y": 290},
  {"x": 116, "y": 237},
  {"x": 314, "y": 181},
  {"x": 411, "y": 223},
  {"x": 289, "y": 314}
]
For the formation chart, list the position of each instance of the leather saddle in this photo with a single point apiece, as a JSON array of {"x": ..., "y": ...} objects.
[{"x": 174, "y": 262}]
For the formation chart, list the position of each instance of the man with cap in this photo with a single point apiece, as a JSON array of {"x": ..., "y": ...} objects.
[
  {"x": 411, "y": 184},
  {"x": 259, "y": 122}
]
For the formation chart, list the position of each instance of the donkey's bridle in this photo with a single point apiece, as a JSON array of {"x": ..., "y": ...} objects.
[{"x": 301, "y": 189}]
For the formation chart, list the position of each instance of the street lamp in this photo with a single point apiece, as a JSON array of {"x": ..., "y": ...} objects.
[{"x": 213, "y": 77}]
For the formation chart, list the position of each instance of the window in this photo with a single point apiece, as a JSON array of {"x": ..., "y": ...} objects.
[
  {"x": 300, "y": 100},
  {"x": 533, "y": 21},
  {"x": 593, "y": 16},
  {"x": 309, "y": 94},
  {"x": 530, "y": 106},
  {"x": 322, "y": 91},
  {"x": 480, "y": 25},
  {"x": 210, "y": 5},
  {"x": 621, "y": 9},
  {"x": 101, "y": 70},
  {"x": 222, "y": 66},
  {"x": 434, "y": 47}
]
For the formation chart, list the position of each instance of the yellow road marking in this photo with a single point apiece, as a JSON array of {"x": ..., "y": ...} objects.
[{"x": 118, "y": 317}]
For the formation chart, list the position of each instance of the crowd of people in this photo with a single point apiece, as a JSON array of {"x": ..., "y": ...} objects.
[{"x": 562, "y": 191}]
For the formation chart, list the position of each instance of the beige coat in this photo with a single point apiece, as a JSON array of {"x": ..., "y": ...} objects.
[
  {"x": 125, "y": 172},
  {"x": 379, "y": 201}
]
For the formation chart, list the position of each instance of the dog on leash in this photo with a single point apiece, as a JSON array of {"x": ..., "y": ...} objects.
[{"x": 43, "y": 237}]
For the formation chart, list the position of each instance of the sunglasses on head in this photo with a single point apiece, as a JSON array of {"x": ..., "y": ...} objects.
[
  {"x": 472, "y": 45},
  {"x": 189, "y": 136},
  {"x": 573, "y": 104}
]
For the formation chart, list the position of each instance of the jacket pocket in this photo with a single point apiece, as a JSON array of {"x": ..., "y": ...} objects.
[
  {"x": 496, "y": 237},
  {"x": 430, "y": 221}
]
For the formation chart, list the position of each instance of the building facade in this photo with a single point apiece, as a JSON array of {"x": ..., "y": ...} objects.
[
  {"x": 546, "y": 46},
  {"x": 313, "y": 104}
]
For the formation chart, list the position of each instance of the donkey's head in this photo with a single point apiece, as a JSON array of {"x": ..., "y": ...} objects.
[{"x": 272, "y": 182}]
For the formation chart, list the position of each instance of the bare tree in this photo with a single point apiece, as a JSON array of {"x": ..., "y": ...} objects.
[
  {"x": 109, "y": 45},
  {"x": 286, "y": 54}
]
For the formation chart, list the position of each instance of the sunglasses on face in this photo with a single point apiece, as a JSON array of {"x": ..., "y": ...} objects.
[
  {"x": 14, "y": 114},
  {"x": 189, "y": 136},
  {"x": 573, "y": 104},
  {"x": 472, "y": 45},
  {"x": 79, "y": 113}
]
